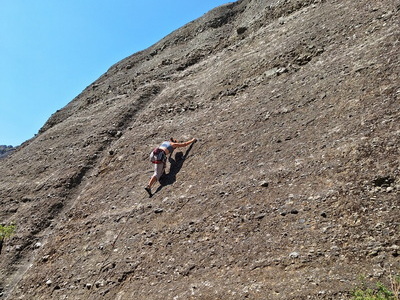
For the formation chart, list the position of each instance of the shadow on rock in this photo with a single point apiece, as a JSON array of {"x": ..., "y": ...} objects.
[{"x": 176, "y": 165}]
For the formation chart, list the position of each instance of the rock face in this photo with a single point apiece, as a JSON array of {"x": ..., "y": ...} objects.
[
  {"x": 291, "y": 192},
  {"x": 5, "y": 150}
]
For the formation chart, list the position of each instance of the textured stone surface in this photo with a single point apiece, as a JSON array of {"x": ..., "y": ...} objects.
[
  {"x": 5, "y": 150},
  {"x": 291, "y": 192}
]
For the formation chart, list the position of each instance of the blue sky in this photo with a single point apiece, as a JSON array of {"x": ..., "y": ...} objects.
[{"x": 51, "y": 50}]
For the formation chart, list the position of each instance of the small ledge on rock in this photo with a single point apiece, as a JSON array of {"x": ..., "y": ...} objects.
[
  {"x": 264, "y": 184},
  {"x": 241, "y": 30}
]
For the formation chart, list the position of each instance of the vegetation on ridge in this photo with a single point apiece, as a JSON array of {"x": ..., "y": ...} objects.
[
  {"x": 4, "y": 150},
  {"x": 5, "y": 232},
  {"x": 379, "y": 292}
]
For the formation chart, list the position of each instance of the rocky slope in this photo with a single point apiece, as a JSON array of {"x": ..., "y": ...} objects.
[
  {"x": 291, "y": 192},
  {"x": 5, "y": 150}
]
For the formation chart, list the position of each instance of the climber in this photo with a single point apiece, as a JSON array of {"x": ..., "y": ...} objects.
[{"x": 159, "y": 158}]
